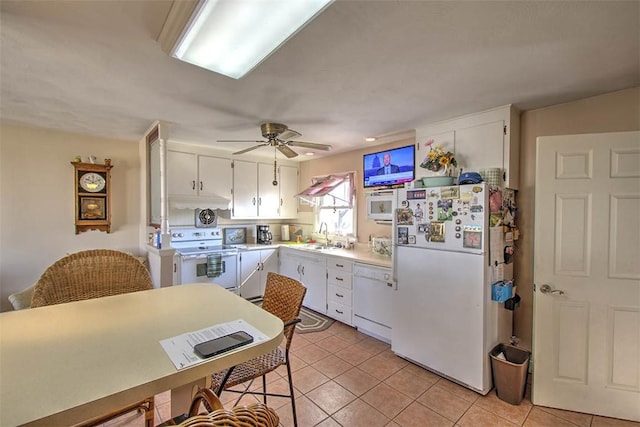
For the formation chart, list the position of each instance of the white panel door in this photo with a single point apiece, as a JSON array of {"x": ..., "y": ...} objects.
[
  {"x": 313, "y": 275},
  {"x": 288, "y": 190},
  {"x": 181, "y": 173},
  {"x": 215, "y": 178},
  {"x": 268, "y": 194},
  {"x": 586, "y": 340},
  {"x": 154, "y": 185},
  {"x": 480, "y": 147},
  {"x": 250, "y": 274}
]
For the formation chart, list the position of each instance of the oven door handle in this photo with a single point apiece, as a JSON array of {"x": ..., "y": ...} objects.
[{"x": 204, "y": 256}]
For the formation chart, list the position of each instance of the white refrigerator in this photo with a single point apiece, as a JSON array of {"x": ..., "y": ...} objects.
[{"x": 443, "y": 315}]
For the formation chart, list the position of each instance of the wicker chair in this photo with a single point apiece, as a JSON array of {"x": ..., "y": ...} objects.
[
  {"x": 21, "y": 300},
  {"x": 256, "y": 415},
  {"x": 283, "y": 298},
  {"x": 90, "y": 274}
]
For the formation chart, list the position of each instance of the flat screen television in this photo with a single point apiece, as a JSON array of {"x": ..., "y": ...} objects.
[{"x": 389, "y": 167}]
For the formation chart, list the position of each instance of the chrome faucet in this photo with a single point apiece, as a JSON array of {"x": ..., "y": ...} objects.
[{"x": 326, "y": 232}]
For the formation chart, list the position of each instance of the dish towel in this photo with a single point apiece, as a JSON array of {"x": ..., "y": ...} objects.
[{"x": 215, "y": 266}]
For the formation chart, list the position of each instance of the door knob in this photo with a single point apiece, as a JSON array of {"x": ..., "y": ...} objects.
[{"x": 546, "y": 289}]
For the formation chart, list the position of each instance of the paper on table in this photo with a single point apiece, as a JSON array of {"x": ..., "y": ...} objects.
[{"x": 180, "y": 348}]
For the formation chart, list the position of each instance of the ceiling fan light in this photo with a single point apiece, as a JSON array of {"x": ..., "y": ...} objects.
[{"x": 232, "y": 37}]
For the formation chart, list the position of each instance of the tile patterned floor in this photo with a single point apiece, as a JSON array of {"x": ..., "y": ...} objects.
[{"x": 345, "y": 378}]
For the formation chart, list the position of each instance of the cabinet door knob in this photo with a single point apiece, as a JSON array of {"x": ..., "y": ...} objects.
[
  {"x": 253, "y": 201},
  {"x": 193, "y": 184},
  {"x": 200, "y": 185}
]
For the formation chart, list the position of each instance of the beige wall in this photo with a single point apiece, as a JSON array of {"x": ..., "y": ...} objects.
[
  {"x": 346, "y": 162},
  {"x": 37, "y": 201},
  {"x": 617, "y": 111}
]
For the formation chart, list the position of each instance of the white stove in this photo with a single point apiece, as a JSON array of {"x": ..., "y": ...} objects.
[
  {"x": 202, "y": 258},
  {"x": 188, "y": 241}
]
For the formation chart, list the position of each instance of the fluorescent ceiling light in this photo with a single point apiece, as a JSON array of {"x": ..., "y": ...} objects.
[{"x": 232, "y": 37}]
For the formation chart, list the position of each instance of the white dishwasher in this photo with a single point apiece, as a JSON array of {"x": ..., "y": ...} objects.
[{"x": 372, "y": 293}]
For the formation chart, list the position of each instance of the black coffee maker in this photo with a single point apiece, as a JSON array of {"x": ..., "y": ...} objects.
[{"x": 263, "y": 235}]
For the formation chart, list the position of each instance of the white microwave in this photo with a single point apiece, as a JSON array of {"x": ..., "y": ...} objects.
[{"x": 380, "y": 207}]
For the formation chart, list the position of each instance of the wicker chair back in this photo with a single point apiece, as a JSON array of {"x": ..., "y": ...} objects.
[
  {"x": 90, "y": 274},
  {"x": 283, "y": 298}
]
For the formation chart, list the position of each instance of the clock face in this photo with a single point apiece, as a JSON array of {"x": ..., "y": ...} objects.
[{"x": 92, "y": 182}]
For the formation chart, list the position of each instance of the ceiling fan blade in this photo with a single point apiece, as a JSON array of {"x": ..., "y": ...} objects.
[
  {"x": 288, "y": 134},
  {"x": 239, "y": 140},
  {"x": 286, "y": 151},
  {"x": 246, "y": 150},
  {"x": 311, "y": 145}
]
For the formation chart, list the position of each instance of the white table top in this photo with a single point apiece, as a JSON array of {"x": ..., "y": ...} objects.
[{"x": 65, "y": 363}]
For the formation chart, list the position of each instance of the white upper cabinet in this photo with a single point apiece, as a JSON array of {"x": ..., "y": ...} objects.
[
  {"x": 214, "y": 175},
  {"x": 268, "y": 194},
  {"x": 288, "y": 181},
  {"x": 182, "y": 173},
  {"x": 255, "y": 196},
  {"x": 191, "y": 174},
  {"x": 245, "y": 189},
  {"x": 489, "y": 139}
]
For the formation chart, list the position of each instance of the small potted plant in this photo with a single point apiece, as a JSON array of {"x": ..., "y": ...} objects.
[{"x": 438, "y": 160}]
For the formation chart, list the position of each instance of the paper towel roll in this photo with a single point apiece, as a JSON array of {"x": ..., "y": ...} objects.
[{"x": 284, "y": 233}]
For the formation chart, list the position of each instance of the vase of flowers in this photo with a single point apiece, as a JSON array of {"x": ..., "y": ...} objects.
[{"x": 438, "y": 160}]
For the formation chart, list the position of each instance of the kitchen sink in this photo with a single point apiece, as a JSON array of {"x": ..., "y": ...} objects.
[{"x": 316, "y": 247}]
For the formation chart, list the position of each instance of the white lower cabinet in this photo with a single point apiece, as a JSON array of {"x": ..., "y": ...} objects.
[
  {"x": 339, "y": 289},
  {"x": 254, "y": 266},
  {"x": 312, "y": 272},
  {"x": 353, "y": 293}
]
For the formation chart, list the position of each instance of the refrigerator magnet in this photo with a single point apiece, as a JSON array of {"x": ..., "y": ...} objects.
[
  {"x": 403, "y": 235},
  {"x": 404, "y": 216},
  {"x": 412, "y": 239},
  {"x": 436, "y": 231},
  {"x": 418, "y": 213},
  {"x": 450, "y": 192},
  {"x": 472, "y": 237},
  {"x": 445, "y": 210}
]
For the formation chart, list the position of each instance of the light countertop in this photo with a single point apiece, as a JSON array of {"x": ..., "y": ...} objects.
[{"x": 360, "y": 254}]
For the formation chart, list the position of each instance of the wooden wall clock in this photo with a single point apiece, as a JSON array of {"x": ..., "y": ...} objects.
[{"x": 93, "y": 196}]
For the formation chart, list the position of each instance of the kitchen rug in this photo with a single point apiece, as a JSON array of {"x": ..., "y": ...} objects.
[{"x": 311, "y": 321}]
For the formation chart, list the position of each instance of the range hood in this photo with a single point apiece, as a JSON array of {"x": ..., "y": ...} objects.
[{"x": 199, "y": 202}]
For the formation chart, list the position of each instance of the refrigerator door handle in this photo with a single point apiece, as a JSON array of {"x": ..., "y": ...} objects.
[{"x": 394, "y": 266}]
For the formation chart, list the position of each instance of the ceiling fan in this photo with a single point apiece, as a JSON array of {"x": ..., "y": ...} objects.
[{"x": 280, "y": 137}]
